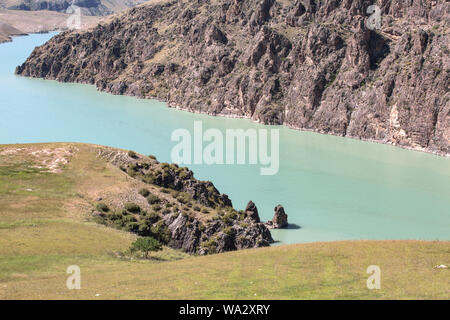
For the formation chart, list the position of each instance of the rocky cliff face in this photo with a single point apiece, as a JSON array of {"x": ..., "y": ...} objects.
[{"x": 307, "y": 64}]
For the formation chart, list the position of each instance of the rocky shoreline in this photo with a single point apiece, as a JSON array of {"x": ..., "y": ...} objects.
[{"x": 391, "y": 143}]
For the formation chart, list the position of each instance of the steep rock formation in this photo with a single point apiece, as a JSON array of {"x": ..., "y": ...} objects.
[
  {"x": 252, "y": 212},
  {"x": 280, "y": 218},
  {"x": 192, "y": 216},
  {"x": 307, "y": 64}
]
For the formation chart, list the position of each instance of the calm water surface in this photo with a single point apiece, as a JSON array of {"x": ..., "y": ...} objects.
[{"x": 334, "y": 188}]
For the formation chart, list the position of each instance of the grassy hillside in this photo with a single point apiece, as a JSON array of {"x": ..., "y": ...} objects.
[{"x": 47, "y": 192}]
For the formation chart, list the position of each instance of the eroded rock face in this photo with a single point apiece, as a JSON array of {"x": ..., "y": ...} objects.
[
  {"x": 310, "y": 64},
  {"x": 252, "y": 212},
  {"x": 218, "y": 229},
  {"x": 215, "y": 237},
  {"x": 280, "y": 219},
  {"x": 220, "y": 235}
]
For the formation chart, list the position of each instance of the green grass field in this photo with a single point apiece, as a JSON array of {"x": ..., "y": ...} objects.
[{"x": 48, "y": 190}]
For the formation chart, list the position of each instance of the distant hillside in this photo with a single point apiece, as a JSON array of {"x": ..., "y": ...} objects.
[
  {"x": 88, "y": 7},
  {"x": 17, "y": 22},
  {"x": 7, "y": 30}
]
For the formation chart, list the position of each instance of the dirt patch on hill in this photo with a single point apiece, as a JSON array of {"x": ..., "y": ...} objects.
[{"x": 51, "y": 159}]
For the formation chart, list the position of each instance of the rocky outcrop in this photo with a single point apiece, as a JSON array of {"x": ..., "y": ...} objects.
[
  {"x": 221, "y": 235},
  {"x": 312, "y": 65},
  {"x": 280, "y": 219},
  {"x": 252, "y": 212},
  {"x": 192, "y": 215}
]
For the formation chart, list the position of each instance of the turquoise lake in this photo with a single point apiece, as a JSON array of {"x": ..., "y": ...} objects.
[{"x": 333, "y": 188}]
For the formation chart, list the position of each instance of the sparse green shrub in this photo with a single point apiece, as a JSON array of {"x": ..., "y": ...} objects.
[
  {"x": 149, "y": 178},
  {"x": 205, "y": 211},
  {"x": 134, "y": 167},
  {"x": 132, "y": 226},
  {"x": 144, "y": 192},
  {"x": 132, "y": 154},
  {"x": 197, "y": 208},
  {"x": 184, "y": 175},
  {"x": 152, "y": 217},
  {"x": 243, "y": 224},
  {"x": 184, "y": 197},
  {"x": 114, "y": 216},
  {"x": 132, "y": 170},
  {"x": 118, "y": 224},
  {"x": 132, "y": 207},
  {"x": 165, "y": 190},
  {"x": 102, "y": 207},
  {"x": 211, "y": 189},
  {"x": 228, "y": 231},
  {"x": 166, "y": 176},
  {"x": 161, "y": 232},
  {"x": 153, "y": 199},
  {"x": 144, "y": 228},
  {"x": 165, "y": 166},
  {"x": 210, "y": 244},
  {"x": 152, "y": 157},
  {"x": 129, "y": 218},
  {"x": 99, "y": 220},
  {"x": 229, "y": 217},
  {"x": 123, "y": 212},
  {"x": 156, "y": 207}
]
